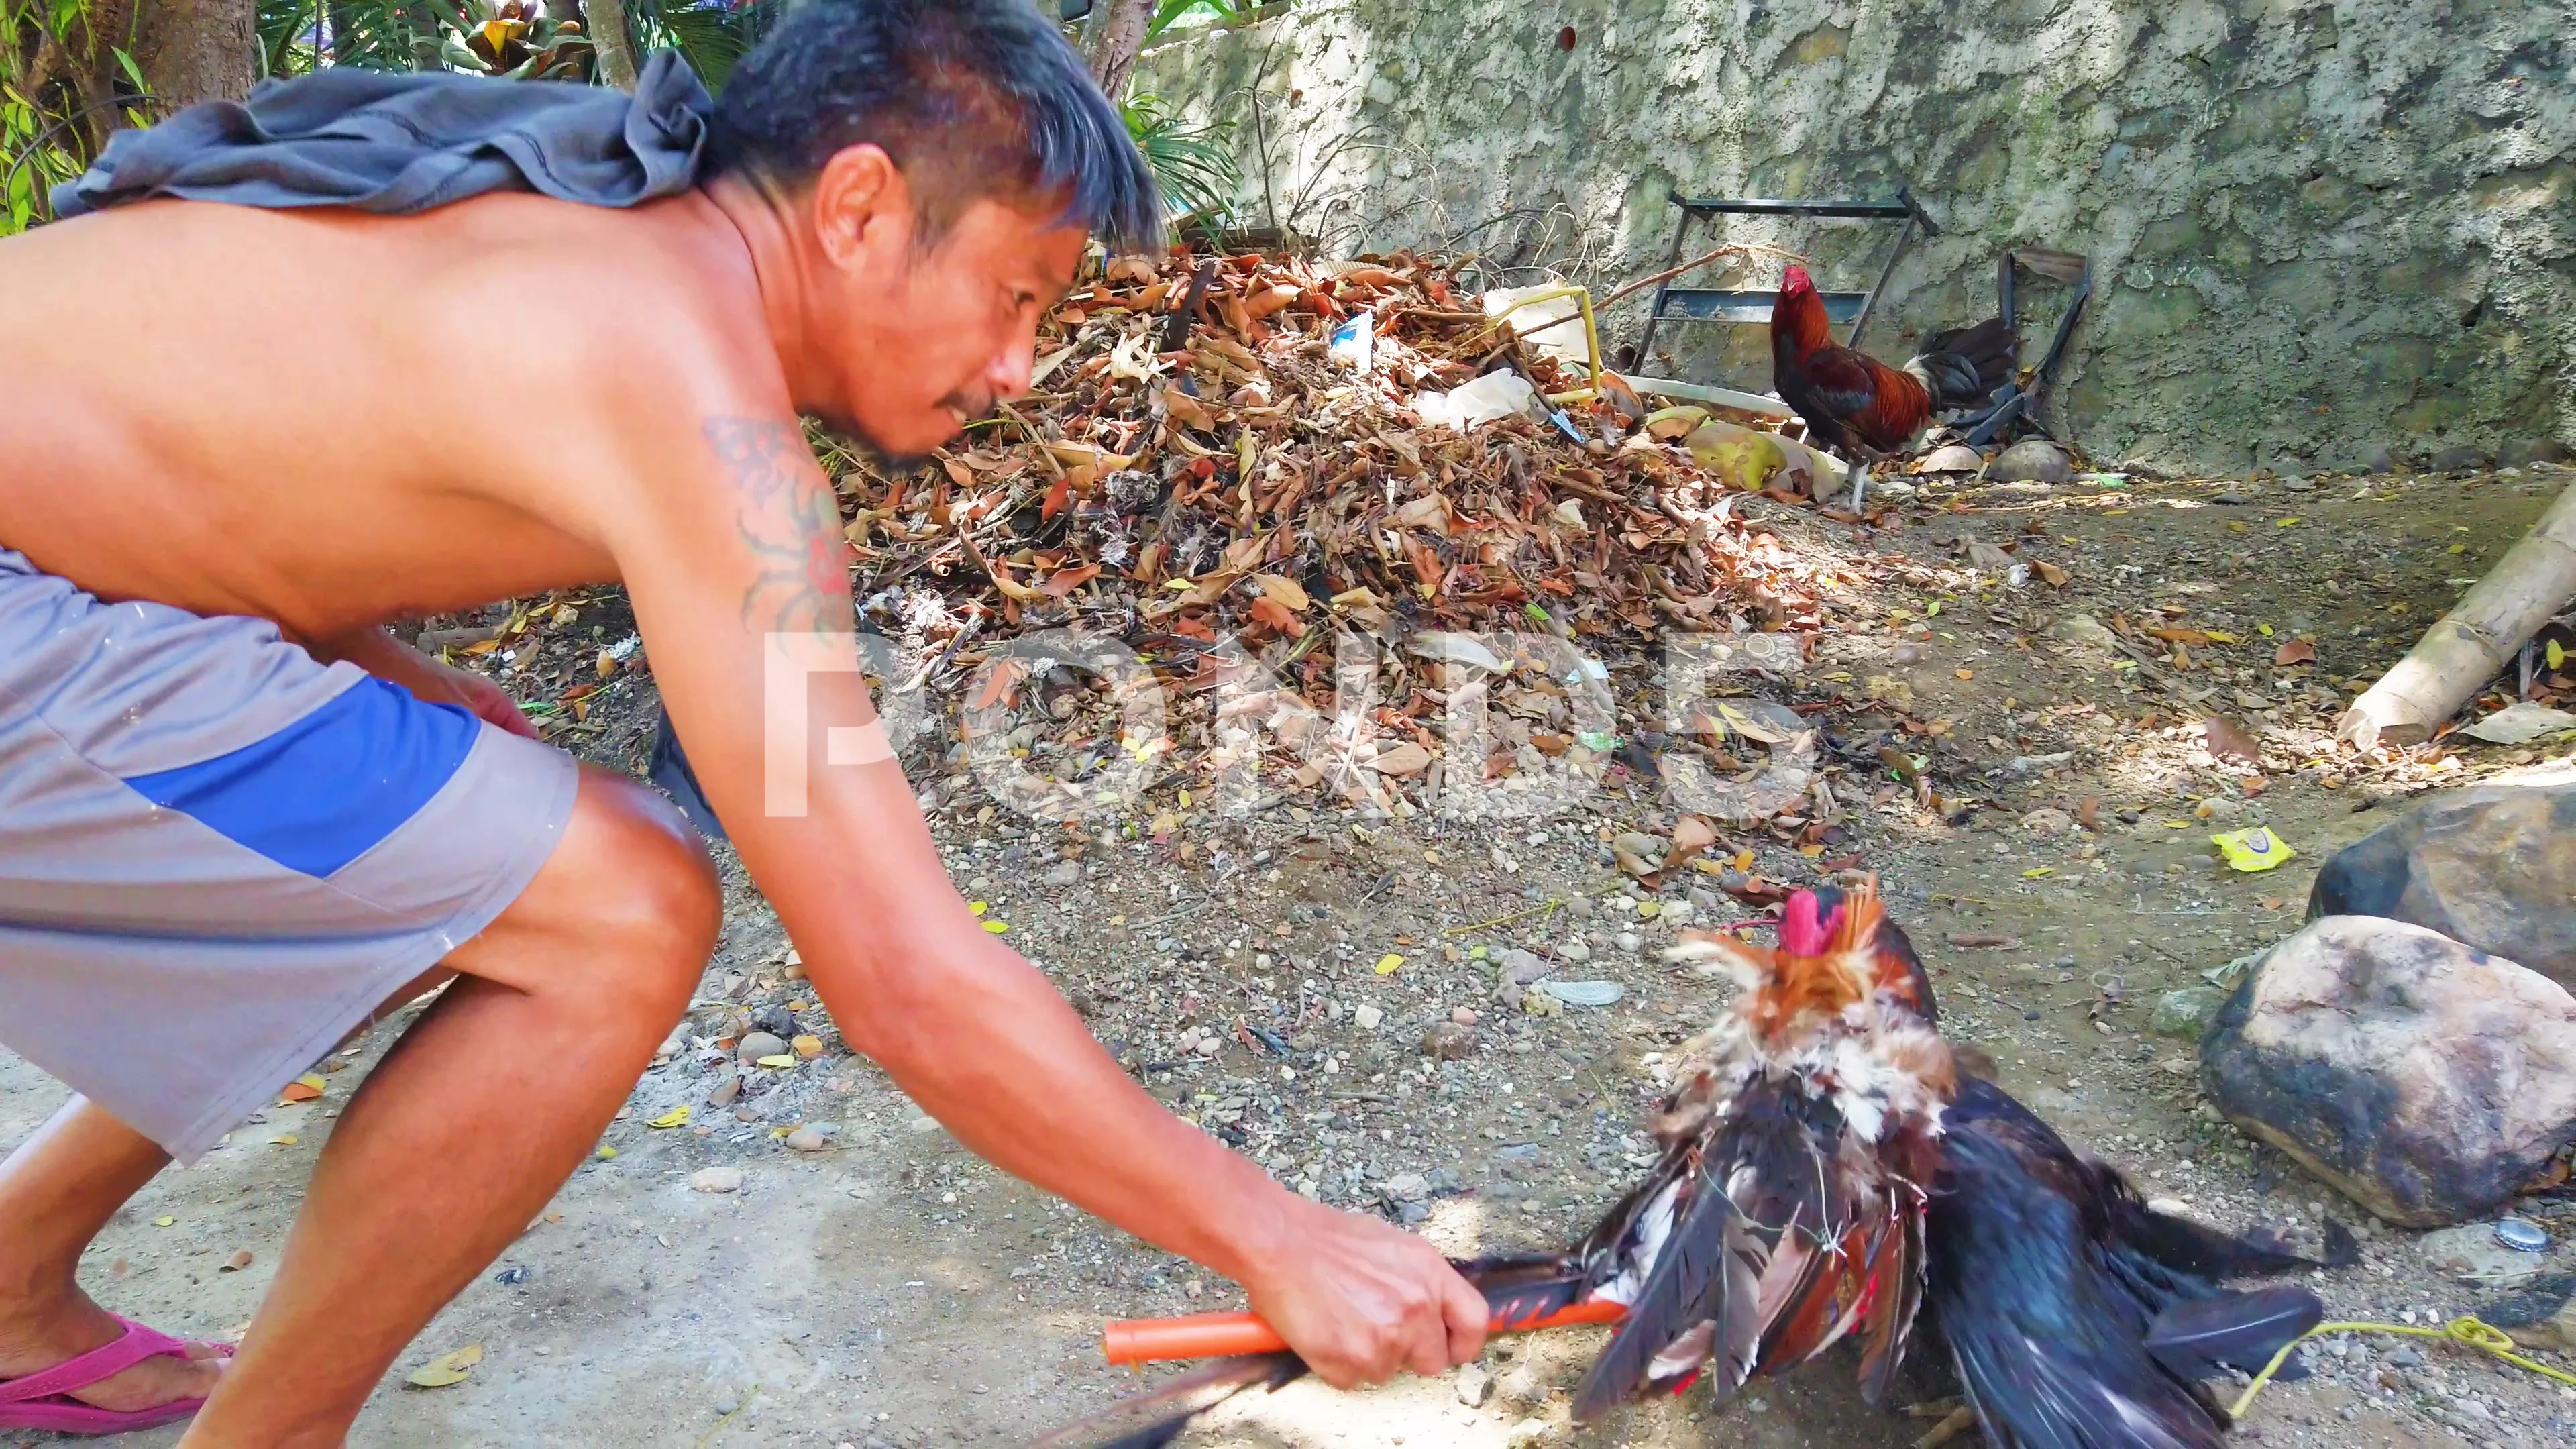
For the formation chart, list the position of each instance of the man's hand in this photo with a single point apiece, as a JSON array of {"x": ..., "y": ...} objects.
[
  {"x": 380, "y": 654},
  {"x": 1360, "y": 1300}
]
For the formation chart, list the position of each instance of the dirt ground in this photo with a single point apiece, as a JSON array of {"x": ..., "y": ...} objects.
[{"x": 891, "y": 1290}]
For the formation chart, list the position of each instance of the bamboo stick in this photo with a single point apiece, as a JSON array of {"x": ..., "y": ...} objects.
[{"x": 2462, "y": 651}]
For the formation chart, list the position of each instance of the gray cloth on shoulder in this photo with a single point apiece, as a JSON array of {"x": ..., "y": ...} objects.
[{"x": 397, "y": 143}]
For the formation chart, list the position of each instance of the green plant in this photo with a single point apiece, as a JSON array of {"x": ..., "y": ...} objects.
[
  {"x": 63, "y": 88},
  {"x": 1194, "y": 165}
]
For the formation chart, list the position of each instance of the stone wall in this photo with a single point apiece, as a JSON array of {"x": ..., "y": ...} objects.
[{"x": 2317, "y": 226}]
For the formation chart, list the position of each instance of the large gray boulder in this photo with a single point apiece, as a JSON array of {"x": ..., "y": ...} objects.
[
  {"x": 2426, "y": 1080},
  {"x": 2493, "y": 867}
]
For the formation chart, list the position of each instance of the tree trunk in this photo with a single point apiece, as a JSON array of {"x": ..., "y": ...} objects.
[
  {"x": 607, "y": 20},
  {"x": 2459, "y": 654},
  {"x": 1115, "y": 33},
  {"x": 197, "y": 50}
]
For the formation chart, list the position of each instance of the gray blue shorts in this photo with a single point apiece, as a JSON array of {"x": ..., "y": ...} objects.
[{"x": 217, "y": 855}]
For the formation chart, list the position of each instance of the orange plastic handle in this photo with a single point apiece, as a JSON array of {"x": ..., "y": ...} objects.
[{"x": 1225, "y": 1335}]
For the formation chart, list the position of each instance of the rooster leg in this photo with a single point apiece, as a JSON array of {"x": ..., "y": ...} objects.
[
  {"x": 1960, "y": 1420},
  {"x": 1858, "y": 478}
]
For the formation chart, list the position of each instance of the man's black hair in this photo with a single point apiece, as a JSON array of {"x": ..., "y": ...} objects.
[{"x": 971, "y": 98}]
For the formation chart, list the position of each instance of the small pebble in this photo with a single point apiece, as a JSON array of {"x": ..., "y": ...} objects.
[
  {"x": 808, "y": 1139},
  {"x": 760, "y": 1044},
  {"x": 717, "y": 1179},
  {"x": 1366, "y": 1018},
  {"x": 1474, "y": 1386},
  {"x": 1464, "y": 1015}
]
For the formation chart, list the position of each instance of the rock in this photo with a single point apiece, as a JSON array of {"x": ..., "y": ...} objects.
[
  {"x": 1406, "y": 1187},
  {"x": 2379, "y": 458},
  {"x": 2032, "y": 460},
  {"x": 1679, "y": 913},
  {"x": 1539, "y": 1003},
  {"x": 2084, "y": 629},
  {"x": 1448, "y": 1041},
  {"x": 1953, "y": 458},
  {"x": 725, "y": 1092},
  {"x": 2461, "y": 460},
  {"x": 1574, "y": 948},
  {"x": 2048, "y": 822},
  {"x": 1366, "y": 1017},
  {"x": 2221, "y": 810},
  {"x": 2493, "y": 867},
  {"x": 1474, "y": 1386},
  {"x": 1517, "y": 968},
  {"x": 778, "y": 1021},
  {"x": 2186, "y": 1013},
  {"x": 759, "y": 1044},
  {"x": 2471, "y": 1253},
  {"x": 2297, "y": 484},
  {"x": 1630, "y": 942},
  {"x": 1405, "y": 759},
  {"x": 2542, "y": 1313},
  {"x": 717, "y": 1179},
  {"x": 2426, "y": 1080},
  {"x": 808, "y": 1138},
  {"x": 1530, "y": 1433},
  {"x": 1210, "y": 1045},
  {"x": 1068, "y": 873},
  {"x": 2523, "y": 452},
  {"x": 1464, "y": 1015}
]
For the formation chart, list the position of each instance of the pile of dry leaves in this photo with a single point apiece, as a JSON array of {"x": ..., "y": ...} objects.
[{"x": 1201, "y": 461}]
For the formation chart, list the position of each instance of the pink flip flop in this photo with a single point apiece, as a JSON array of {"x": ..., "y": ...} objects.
[{"x": 44, "y": 1400}]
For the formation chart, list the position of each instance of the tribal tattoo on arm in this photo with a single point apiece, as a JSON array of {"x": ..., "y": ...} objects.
[{"x": 790, "y": 522}]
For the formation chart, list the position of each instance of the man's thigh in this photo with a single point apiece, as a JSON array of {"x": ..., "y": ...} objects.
[{"x": 218, "y": 855}]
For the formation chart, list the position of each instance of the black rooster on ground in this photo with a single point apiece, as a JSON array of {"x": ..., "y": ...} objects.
[{"x": 1829, "y": 1170}]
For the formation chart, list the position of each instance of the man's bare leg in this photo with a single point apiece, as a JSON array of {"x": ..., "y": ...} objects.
[
  {"x": 476, "y": 1116},
  {"x": 56, "y": 1191}
]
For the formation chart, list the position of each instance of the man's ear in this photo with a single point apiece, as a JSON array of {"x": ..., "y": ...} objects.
[{"x": 861, "y": 204}]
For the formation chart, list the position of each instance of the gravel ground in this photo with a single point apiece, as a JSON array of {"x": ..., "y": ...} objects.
[{"x": 887, "y": 1288}]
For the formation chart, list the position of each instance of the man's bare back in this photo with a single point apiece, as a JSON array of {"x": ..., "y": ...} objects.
[{"x": 331, "y": 420}]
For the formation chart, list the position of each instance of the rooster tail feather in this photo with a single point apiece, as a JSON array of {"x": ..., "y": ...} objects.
[
  {"x": 1963, "y": 366},
  {"x": 2185, "y": 1246},
  {"x": 2200, "y": 1338},
  {"x": 1897, "y": 1289},
  {"x": 1154, "y": 1420},
  {"x": 1518, "y": 1289},
  {"x": 1708, "y": 1272}
]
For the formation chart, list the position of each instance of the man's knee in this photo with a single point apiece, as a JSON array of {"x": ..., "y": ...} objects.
[
  {"x": 624, "y": 914},
  {"x": 650, "y": 883}
]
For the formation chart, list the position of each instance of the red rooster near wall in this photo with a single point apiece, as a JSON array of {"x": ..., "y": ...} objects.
[{"x": 1861, "y": 407}]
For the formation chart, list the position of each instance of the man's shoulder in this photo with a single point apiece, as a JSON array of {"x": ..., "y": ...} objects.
[{"x": 632, "y": 313}]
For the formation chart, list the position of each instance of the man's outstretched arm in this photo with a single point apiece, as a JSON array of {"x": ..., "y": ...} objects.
[{"x": 737, "y": 569}]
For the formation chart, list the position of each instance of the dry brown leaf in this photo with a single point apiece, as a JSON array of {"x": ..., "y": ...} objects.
[
  {"x": 2229, "y": 741},
  {"x": 2294, "y": 651}
]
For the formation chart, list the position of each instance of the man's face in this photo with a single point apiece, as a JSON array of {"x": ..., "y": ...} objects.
[{"x": 920, "y": 341}]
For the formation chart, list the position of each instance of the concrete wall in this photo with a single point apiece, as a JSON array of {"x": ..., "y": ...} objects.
[{"x": 2316, "y": 225}]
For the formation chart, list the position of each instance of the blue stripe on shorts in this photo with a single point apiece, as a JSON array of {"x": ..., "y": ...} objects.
[{"x": 326, "y": 789}]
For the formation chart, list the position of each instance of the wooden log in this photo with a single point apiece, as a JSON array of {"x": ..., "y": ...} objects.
[{"x": 2461, "y": 652}]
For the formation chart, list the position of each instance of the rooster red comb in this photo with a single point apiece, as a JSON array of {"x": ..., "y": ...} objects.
[
  {"x": 1806, "y": 929},
  {"x": 1797, "y": 280}
]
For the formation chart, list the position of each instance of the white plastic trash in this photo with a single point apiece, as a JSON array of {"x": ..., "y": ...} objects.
[{"x": 1495, "y": 395}]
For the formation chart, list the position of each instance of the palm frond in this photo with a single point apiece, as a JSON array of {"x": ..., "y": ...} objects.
[{"x": 1194, "y": 165}]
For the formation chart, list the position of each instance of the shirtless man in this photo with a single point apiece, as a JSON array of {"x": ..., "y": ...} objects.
[{"x": 236, "y": 816}]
